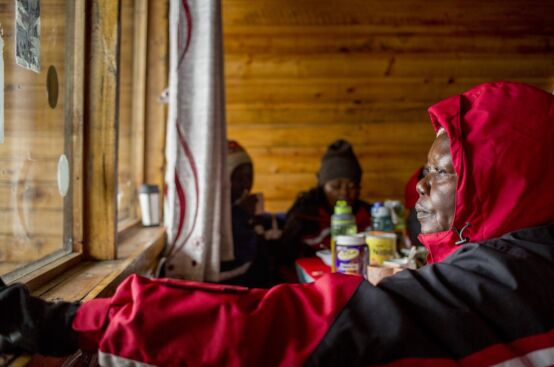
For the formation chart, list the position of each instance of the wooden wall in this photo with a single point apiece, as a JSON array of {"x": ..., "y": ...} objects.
[{"x": 300, "y": 74}]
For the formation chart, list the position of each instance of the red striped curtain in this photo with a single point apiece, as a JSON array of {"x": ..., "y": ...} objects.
[{"x": 197, "y": 207}]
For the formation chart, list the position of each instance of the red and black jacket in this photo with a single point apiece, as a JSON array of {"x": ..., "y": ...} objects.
[
  {"x": 486, "y": 304},
  {"x": 486, "y": 298}
]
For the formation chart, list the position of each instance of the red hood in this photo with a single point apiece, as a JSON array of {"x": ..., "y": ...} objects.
[{"x": 502, "y": 145}]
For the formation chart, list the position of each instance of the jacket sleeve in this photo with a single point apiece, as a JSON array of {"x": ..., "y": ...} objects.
[
  {"x": 297, "y": 226},
  {"x": 167, "y": 322},
  {"x": 31, "y": 325},
  {"x": 482, "y": 306}
]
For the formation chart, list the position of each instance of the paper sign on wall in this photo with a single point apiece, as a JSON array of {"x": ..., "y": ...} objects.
[{"x": 27, "y": 34}]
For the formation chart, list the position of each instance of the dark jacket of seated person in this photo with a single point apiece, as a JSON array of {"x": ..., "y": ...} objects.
[
  {"x": 249, "y": 267},
  {"x": 308, "y": 223}
]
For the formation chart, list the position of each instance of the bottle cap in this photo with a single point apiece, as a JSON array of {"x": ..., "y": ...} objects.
[
  {"x": 375, "y": 206},
  {"x": 357, "y": 239},
  {"x": 342, "y": 207},
  {"x": 148, "y": 189},
  {"x": 381, "y": 211}
]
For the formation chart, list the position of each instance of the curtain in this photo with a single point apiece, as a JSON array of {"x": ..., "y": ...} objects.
[{"x": 197, "y": 206}]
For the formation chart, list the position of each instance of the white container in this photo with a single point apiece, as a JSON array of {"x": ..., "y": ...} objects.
[
  {"x": 149, "y": 198},
  {"x": 351, "y": 255}
]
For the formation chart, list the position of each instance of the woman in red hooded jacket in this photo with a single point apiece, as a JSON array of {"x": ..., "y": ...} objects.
[{"x": 486, "y": 298}]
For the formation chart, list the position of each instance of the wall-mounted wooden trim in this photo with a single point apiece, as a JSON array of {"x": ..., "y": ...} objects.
[
  {"x": 74, "y": 89},
  {"x": 156, "y": 82},
  {"x": 101, "y": 130},
  {"x": 139, "y": 86}
]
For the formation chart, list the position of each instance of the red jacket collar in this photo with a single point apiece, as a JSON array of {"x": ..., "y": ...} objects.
[{"x": 440, "y": 245}]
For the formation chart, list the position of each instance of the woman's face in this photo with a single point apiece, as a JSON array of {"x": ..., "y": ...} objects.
[
  {"x": 437, "y": 189},
  {"x": 341, "y": 189}
]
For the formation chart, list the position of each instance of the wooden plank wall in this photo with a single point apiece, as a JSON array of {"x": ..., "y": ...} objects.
[{"x": 300, "y": 74}]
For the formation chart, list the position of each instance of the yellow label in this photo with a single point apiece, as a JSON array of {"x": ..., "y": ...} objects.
[
  {"x": 348, "y": 254},
  {"x": 380, "y": 249}
]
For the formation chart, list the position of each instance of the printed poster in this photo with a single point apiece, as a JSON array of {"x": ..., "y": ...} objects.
[{"x": 27, "y": 34}]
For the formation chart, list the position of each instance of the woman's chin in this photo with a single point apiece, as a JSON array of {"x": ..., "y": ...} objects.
[{"x": 427, "y": 226}]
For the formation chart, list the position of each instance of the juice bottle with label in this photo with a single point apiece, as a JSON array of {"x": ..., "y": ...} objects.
[{"x": 343, "y": 222}]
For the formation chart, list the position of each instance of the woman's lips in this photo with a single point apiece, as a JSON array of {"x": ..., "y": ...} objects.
[
  {"x": 422, "y": 212},
  {"x": 422, "y": 215}
]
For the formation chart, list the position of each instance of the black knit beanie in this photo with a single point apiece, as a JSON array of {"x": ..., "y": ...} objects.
[{"x": 339, "y": 161}]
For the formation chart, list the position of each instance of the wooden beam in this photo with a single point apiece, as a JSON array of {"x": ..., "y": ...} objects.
[
  {"x": 74, "y": 89},
  {"x": 101, "y": 130},
  {"x": 156, "y": 82},
  {"x": 139, "y": 87}
]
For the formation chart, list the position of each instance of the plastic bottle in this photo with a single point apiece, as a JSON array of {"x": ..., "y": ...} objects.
[
  {"x": 343, "y": 222},
  {"x": 375, "y": 206},
  {"x": 397, "y": 214},
  {"x": 381, "y": 219}
]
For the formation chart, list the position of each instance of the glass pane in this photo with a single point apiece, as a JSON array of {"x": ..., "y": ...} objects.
[
  {"x": 31, "y": 206},
  {"x": 126, "y": 196}
]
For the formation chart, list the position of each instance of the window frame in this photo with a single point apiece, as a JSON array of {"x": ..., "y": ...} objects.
[
  {"x": 138, "y": 105},
  {"x": 91, "y": 92},
  {"x": 71, "y": 251}
]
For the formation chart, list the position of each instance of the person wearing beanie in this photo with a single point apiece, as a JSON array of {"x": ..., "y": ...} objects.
[
  {"x": 308, "y": 222},
  {"x": 249, "y": 267},
  {"x": 339, "y": 161}
]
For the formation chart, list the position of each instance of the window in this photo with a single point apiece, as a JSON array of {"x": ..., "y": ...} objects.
[
  {"x": 57, "y": 211},
  {"x": 37, "y": 151},
  {"x": 131, "y": 109}
]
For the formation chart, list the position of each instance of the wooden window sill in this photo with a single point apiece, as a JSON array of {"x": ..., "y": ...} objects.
[{"x": 138, "y": 251}]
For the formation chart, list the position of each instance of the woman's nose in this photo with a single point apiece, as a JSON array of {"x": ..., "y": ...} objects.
[{"x": 422, "y": 186}]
